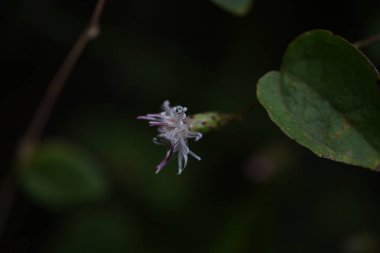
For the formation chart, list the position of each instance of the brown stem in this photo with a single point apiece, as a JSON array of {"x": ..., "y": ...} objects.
[
  {"x": 35, "y": 129},
  {"x": 367, "y": 41}
]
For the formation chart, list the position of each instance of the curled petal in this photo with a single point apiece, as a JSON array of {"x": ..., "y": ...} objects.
[
  {"x": 166, "y": 107},
  {"x": 196, "y": 135}
]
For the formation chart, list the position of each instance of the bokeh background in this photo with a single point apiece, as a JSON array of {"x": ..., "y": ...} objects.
[{"x": 92, "y": 186}]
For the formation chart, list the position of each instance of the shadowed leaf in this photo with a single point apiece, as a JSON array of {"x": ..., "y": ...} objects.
[
  {"x": 60, "y": 175},
  {"x": 325, "y": 98}
]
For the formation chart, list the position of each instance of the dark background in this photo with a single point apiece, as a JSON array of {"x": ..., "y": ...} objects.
[{"x": 255, "y": 190}]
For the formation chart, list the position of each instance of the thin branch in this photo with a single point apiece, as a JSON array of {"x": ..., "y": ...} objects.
[
  {"x": 29, "y": 141},
  {"x": 38, "y": 123},
  {"x": 367, "y": 41}
]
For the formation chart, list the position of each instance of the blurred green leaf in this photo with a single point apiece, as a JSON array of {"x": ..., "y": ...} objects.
[
  {"x": 236, "y": 7},
  {"x": 325, "y": 97},
  {"x": 60, "y": 174},
  {"x": 99, "y": 231}
]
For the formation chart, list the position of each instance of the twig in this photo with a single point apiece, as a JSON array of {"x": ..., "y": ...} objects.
[
  {"x": 34, "y": 131},
  {"x": 367, "y": 41}
]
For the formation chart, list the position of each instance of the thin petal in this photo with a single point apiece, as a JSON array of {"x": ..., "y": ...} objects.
[
  {"x": 185, "y": 158},
  {"x": 164, "y": 162},
  {"x": 155, "y": 123},
  {"x": 195, "y": 135},
  {"x": 194, "y": 155},
  {"x": 179, "y": 164}
]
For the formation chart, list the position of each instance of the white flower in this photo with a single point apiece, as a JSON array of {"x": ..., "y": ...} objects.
[{"x": 173, "y": 131}]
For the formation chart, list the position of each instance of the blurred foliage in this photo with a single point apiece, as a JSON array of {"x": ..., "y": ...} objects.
[
  {"x": 254, "y": 190},
  {"x": 60, "y": 174},
  {"x": 237, "y": 7}
]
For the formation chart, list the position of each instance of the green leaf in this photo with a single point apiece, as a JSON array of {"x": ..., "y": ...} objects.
[
  {"x": 236, "y": 7},
  {"x": 325, "y": 98},
  {"x": 60, "y": 174}
]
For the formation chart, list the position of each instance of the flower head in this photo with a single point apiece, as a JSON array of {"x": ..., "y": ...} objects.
[{"x": 173, "y": 131}]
